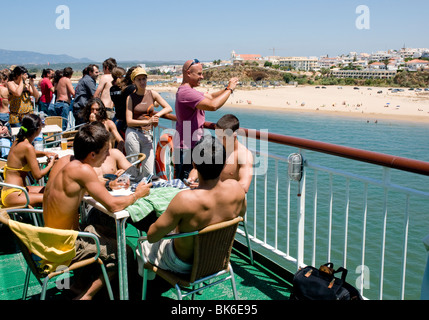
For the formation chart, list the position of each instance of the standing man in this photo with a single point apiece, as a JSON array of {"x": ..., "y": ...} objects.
[
  {"x": 85, "y": 90},
  {"x": 190, "y": 112},
  {"x": 65, "y": 92},
  {"x": 47, "y": 89},
  {"x": 103, "y": 89}
]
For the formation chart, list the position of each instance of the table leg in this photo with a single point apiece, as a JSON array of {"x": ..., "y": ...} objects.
[{"x": 122, "y": 259}]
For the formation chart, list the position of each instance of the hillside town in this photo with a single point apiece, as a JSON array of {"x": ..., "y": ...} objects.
[{"x": 376, "y": 65}]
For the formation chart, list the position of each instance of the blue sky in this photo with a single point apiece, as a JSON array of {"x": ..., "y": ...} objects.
[{"x": 209, "y": 30}]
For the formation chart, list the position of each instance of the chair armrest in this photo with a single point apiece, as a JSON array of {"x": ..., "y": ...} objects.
[
  {"x": 28, "y": 210},
  {"x": 95, "y": 238},
  {"x": 3, "y": 184},
  {"x": 171, "y": 236},
  {"x": 23, "y": 210},
  {"x": 140, "y": 158}
]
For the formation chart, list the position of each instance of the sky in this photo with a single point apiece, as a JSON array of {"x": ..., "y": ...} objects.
[{"x": 166, "y": 30}]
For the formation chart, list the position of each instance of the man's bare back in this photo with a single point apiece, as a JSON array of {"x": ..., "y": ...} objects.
[
  {"x": 103, "y": 92},
  {"x": 65, "y": 89},
  {"x": 198, "y": 208}
]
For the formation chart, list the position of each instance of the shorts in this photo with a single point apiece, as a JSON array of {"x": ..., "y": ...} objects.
[
  {"x": 86, "y": 248},
  {"x": 162, "y": 255}
]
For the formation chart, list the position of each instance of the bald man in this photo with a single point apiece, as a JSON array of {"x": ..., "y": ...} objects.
[{"x": 191, "y": 106}]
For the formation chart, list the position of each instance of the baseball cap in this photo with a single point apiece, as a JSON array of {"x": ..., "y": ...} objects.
[{"x": 137, "y": 72}]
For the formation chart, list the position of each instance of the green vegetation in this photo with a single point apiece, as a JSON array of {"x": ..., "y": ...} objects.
[{"x": 251, "y": 73}]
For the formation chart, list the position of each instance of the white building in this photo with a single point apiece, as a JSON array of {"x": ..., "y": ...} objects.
[
  {"x": 327, "y": 63},
  {"x": 416, "y": 64},
  {"x": 364, "y": 74},
  {"x": 299, "y": 63}
]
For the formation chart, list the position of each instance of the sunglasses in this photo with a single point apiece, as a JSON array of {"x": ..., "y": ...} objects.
[{"x": 192, "y": 63}]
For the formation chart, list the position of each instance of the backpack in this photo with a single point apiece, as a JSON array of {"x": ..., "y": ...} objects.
[{"x": 310, "y": 283}]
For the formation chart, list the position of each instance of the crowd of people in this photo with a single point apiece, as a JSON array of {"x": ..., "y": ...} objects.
[{"x": 117, "y": 118}]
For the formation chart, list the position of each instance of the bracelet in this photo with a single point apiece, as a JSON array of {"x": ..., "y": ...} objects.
[
  {"x": 232, "y": 91},
  {"x": 134, "y": 197}
]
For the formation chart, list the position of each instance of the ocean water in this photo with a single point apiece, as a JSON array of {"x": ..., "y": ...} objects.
[{"x": 394, "y": 137}]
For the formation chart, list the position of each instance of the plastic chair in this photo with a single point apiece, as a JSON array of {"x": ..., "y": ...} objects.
[
  {"x": 246, "y": 235},
  {"x": 54, "y": 139},
  {"x": 136, "y": 158},
  {"x": 42, "y": 275},
  {"x": 58, "y": 120},
  {"x": 212, "y": 251}
]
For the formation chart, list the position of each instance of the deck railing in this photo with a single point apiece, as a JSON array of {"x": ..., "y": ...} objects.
[{"x": 362, "y": 210}]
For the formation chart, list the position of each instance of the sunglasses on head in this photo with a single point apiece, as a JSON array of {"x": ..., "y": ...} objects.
[{"x": 192, "y": 63}]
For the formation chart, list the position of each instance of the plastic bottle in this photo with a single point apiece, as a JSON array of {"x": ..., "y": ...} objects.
[{"x": 38, "y": 142}]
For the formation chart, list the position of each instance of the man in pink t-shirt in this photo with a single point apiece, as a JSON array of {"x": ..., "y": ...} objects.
[
  {"x": 190, "y": 112},
  {"x": 47, "y": 90}
]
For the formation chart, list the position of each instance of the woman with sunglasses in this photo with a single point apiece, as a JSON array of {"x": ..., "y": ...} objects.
[{"x": 141, "y": 118}]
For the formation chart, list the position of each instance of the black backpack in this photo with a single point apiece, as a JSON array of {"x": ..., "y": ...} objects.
[{"x": 310, "y": 283}]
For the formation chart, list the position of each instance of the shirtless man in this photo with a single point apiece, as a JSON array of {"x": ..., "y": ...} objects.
[
  {"x": 4, "y": 98},
  {"x": 65, "y": 92},
  {"x": 103, "y": 89},
  {"x": 116, "y": 163},
  {"x": 239, "y": 160},
  {"x": 212, "y": 202},
  {"x": 64, "y": 192}
]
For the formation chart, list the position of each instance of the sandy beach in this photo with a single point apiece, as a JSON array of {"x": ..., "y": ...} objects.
[{"x": 342, "y": 101}]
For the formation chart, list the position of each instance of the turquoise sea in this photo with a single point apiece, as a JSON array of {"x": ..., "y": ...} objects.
[{"x": 400, "y": 138}]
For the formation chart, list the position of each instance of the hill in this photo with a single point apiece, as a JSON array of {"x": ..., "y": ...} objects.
[
  {"x": 30, "y": 57},
  {"x": 245, "y": 73}
]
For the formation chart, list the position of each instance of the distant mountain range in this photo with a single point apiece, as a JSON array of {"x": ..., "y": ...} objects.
[{"x": 30, "y": 57}]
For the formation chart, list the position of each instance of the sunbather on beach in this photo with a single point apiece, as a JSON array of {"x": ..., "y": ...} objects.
[{"x": 64, "y": 193}]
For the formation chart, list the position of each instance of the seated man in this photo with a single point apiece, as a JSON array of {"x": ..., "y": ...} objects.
[
  {"x": 66, "y": 188},
  {"x": 239, "y": 160},
  {"x": 212, "y": 202},
  {"x": 115, "y": 163}
]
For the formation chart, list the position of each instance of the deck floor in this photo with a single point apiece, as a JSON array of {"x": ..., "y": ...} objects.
[{"x": 254, "y": 282}]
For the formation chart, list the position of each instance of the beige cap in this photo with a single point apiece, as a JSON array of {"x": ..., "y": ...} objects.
[{"x": 137, "y": 72}]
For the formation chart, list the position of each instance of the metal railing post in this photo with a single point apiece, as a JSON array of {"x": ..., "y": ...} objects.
[{"x": 301, "y": 220}]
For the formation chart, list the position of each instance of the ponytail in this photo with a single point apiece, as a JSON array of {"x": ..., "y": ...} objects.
[{"x": 29, "y": 125}]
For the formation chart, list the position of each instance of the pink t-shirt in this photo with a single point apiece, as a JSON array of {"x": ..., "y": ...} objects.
[
  {"x": 190, "y": 120},
  {"x": 45, "y": 85}
]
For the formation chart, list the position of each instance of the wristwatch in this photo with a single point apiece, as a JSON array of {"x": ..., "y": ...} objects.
[
  {"x": 232, "y": 91},
  {"x": 107, "y": 185}
]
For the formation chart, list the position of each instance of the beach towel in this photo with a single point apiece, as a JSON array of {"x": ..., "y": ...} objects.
[
  {"x": 158, "y": 200},
  {"x": 176, "y": 183},
  {"x": 49, "y": 247}
]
